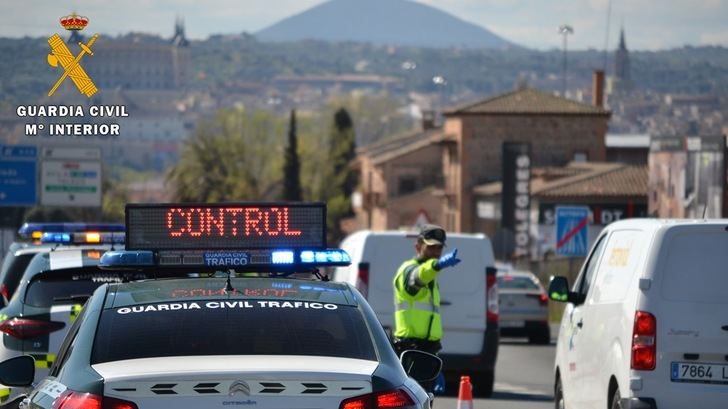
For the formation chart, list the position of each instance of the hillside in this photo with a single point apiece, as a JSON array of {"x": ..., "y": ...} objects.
[{"x": 382, "y": 22}]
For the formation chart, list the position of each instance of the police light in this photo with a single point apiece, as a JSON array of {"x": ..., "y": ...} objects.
[
  {"x": 117, "y": 259},
  {"x": 83, "y": 238},
  {"x": 230, "y": 226},
  {"x": 36, "y": 230},
  {"x": 282, "y": 257},
  {"x": 326, "y": 257},
  {"x": 252, "y": 260}
]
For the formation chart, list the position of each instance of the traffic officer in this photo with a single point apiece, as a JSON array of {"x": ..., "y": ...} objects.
[{"x": 417, "y": 294}]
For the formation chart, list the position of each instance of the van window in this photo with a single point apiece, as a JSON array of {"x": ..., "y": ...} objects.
[
  {"x": 587, "y": 273},
  {"x": 623, "y": 254},
  {"x": 695, "y": 267}
]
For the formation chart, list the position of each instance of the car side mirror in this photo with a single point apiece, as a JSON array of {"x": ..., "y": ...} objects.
[
  {"x": 420, "y": 366},
  {"x": 559, "y": 289},
  {"x": 18, "y": 371}
]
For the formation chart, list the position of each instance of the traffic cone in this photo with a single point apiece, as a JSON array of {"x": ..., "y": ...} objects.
[{"x": 465, "y": 395}]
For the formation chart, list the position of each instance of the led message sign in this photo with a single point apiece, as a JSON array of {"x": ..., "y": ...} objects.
[{"x": 225, "y": 226}]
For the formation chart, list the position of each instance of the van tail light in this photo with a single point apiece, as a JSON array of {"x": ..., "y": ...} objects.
[
  {"x": 644, "y": 340},
  {"x": 543, "y": 299},
  {"x": 491, "y": 296},
  {"x": 76, "y": 400},
  {"x": 362, "y": 279},
  {"x": 395, "y": 398},
  {"x": 24, "y": 328},
  {"x": 5, "y": 292}
]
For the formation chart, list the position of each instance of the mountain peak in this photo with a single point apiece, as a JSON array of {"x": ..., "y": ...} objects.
[{"x": 383, "y": 22}]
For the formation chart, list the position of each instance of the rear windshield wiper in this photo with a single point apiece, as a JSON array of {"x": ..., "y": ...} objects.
[{"x": 76, "y": 298}]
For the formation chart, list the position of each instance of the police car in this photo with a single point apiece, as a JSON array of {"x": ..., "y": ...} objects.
[
  {"x": 49, "y": 295},
  {"x": 20, "y": 253},
  {"x": 261, "y": 340}
]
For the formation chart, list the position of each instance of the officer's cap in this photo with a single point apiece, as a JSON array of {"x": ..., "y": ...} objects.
[{"x": 432, "y": 235}]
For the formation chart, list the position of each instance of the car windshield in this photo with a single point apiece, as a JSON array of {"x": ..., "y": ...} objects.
[
  {"x": 232, "y": 327},
  {"x": 517, "y": 283}
]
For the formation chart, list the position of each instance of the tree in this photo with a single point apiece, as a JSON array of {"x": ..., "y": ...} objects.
[
  {"x": 234, "y": 156},
  {"x": 343, "y": 179},
  {"x": 292, "y": 166}
]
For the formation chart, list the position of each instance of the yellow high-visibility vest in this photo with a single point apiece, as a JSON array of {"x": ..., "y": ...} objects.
[{"x": 417, "y": 316}]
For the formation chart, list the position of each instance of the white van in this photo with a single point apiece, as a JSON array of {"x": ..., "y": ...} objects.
[
  {"x": 646, "y": 324},
  {"x": 469, "y": 299}
]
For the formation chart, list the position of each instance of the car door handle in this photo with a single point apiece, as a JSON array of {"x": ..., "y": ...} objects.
[
  {"x": 443, "y": 302},
  {"x": 580, "y": 324}
]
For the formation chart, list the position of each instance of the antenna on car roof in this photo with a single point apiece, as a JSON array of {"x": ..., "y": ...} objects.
[
  {"x": 229, "y": 285},
  {"x": 705, "y": 208}
]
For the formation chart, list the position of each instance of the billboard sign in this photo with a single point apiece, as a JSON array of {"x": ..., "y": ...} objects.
[
  {"x": 71, "y": 177},
  {"x": 516, "y": 194},
  {"x": 18, "y": 174}
]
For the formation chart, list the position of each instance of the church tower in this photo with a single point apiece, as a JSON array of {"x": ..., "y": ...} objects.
[
  {"x": 621, "y": 65},
  {"x": 180, "y": 54},
  {"x": 621, "y": 82}
]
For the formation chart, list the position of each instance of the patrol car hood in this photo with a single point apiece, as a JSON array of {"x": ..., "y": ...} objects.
[{"x": 272, "y": 382}]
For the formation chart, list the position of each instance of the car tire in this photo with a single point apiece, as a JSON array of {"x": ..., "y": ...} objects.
[
  {"x": 540, "y": 336},
  {"x": 559, "y": 395},
  {"x": 616, "y": 400},
  {"x": 484, "y": 384}
]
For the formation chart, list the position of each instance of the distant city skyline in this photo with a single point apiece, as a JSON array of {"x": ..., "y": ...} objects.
[{"x": 530, "y": 23}]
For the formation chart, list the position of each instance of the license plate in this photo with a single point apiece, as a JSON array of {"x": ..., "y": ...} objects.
[
  {"x": 700, "y": 373},
  {"x": 511, "y": 324}
]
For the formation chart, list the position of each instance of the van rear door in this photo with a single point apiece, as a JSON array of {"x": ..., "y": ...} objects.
[
  {"x": 692, "y": 325},
  {"x": 463, "y": 296}
]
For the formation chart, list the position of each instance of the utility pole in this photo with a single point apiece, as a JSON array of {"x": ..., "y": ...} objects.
[{"x": 565, "y": 30}]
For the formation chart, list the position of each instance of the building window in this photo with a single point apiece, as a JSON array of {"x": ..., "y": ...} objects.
[
  {"x": 407, "y": 184},
  {"x": 581, "y": 156}
]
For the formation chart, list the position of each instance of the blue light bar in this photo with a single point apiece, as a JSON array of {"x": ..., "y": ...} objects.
[
  {"x": 325, "y": 257},
  {"x": 83, "y": 238},
  {"x": 119, "y": 259},
  {"x": 61, "y": 238},
  {"x": 27, "y": 229},
  {"x": 240, "y": 260},
  {"x": 282, "y": 257}
]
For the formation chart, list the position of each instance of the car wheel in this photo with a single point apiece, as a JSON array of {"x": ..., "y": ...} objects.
[
  {"x": 616, "y": 399},
  {"x": 484, "y": 384},
  {"x": 559, "y": 395}
]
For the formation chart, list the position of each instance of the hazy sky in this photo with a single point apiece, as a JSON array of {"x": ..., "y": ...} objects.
[{"x": 649, "y": 24}]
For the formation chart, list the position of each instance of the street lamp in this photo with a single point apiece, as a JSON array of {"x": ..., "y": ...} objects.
[{"x": 565, "y": 30}]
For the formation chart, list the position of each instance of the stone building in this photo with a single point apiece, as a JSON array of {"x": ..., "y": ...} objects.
[
  {"x": 434, "y": 171},
  {"x": 139, "y": 62},
  {"x": 559, "y": 131}
]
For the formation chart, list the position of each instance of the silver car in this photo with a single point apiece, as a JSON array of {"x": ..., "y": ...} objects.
[{"x": 523, "y": 306}]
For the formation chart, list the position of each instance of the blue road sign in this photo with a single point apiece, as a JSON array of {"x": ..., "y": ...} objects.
[
  {"x": 572, "y": 230},
  {"x": 18, "y": 170}
]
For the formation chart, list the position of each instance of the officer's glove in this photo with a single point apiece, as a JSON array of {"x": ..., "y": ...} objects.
[{"x": 448, "y": 260}]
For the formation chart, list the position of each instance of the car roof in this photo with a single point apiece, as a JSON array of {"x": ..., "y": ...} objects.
[
  {"x": 64, "y": 258},
  {"x": 213, "y": 288},
  {"x": 518, "y": 273},
  {"x": 657, "y": 224},
  {"x": 52, "y": 248}
]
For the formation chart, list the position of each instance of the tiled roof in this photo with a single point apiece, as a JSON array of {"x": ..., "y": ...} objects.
[
  {"x": 399, "y": 145},
  {"x": 622, "y": 181},
  {"x": 528, "y": 102},
  {"x": 582, "y": 180}
]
